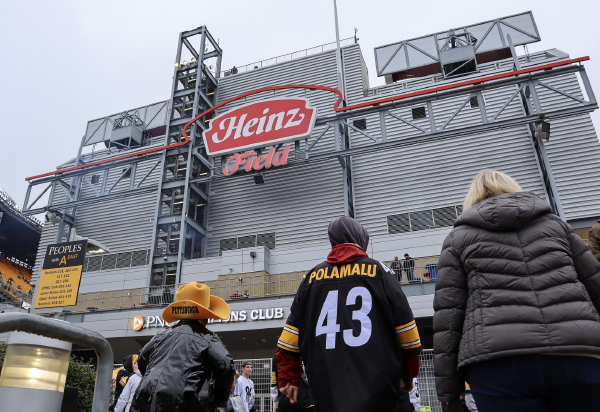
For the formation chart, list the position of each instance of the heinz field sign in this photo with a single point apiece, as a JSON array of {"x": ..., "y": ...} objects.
[{"x": 263, "y": 123}]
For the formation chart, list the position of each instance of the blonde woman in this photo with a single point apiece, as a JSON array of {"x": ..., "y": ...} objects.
[{"x": 516, "y": 305}]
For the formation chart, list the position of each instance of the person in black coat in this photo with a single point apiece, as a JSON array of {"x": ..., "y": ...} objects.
[
  {"x": 122, "y": 377},
  {"x": 186, "y": 367},
  {"x": 515, "y": 285}
]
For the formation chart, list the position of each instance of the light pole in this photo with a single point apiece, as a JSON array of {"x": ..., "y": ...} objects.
[{"x": 34, "y": 373}]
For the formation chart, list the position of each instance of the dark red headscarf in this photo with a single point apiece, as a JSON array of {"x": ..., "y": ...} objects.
[{"x": 349, "y": 240}]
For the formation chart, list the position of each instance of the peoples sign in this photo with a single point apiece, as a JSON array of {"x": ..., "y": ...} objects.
[{"x": 258, "y": 124}]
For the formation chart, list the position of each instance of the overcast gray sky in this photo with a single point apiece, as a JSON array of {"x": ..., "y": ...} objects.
[{"x": 66, "y": 62}]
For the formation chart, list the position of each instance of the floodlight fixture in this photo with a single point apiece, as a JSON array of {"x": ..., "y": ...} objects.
[
  {"x": 185, "y": 63},
  {"x": 52, "y": 217},
  {"x": 542, "y": 130},
  {"x": 193, "y": 60},
  {"x": 176, "y": 64},
  {"x": 259, "y": 179},
  {"x": 93, "y": 246}
]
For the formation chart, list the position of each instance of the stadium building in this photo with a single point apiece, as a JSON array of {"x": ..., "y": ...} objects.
[
  {"x": 19, "y": 240},
  {"x": 165, "y": 209}
]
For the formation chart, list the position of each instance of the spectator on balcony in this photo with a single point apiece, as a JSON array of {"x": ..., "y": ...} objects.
[
  {"x": 396, "y": 266},
  {"x": 246, "y": 296},
  {"x": 594, "y": 240},
  {"x": 409, "y": 268},
  {"x": 515, "y": 285},
  {"x": 236, "y": 295}
]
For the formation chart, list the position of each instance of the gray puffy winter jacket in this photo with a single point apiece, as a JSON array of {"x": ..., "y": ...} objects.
[{"x": 513, "y": 279}]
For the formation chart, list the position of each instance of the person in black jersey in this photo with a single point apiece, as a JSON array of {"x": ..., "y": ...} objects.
[
  {"x": 349, "y": 314},
  {"x": 122, "y": 377}
]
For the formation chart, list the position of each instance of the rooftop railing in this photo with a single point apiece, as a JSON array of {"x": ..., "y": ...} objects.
[
  {"x": 16, "y": 209},
  {"x": 287, "y": 57}
]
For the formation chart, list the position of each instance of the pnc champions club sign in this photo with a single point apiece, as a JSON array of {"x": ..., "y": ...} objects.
[
  {"x": 61, "y": 275},
  {"x": 138, "y": 322},
  {"x": 264, "y": 123}
]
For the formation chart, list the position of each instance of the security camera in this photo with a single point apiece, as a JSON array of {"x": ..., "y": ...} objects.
[
  {"x": 52, "y": 217},
  {"x": 252, "y": 254}
]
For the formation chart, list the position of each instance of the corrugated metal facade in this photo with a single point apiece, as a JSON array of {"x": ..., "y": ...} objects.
[
  {"x": 123, "y": 224},
  {"x": 297, "y": 203}
]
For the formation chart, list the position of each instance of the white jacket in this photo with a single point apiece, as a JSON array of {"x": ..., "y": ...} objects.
[
  {"x": 124, "y": 402},
  {"x": 415, "y": 396}
]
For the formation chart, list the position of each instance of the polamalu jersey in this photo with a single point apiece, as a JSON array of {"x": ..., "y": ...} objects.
[{"x": 352, "y": 325}]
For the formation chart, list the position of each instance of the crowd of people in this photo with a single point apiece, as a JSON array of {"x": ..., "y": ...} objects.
[
  {"x": 14, "y": 281},
  {"x": 238, "y": 296},
  {"x": 516, "y": 325},
  {"x": 407, "y": 265}
]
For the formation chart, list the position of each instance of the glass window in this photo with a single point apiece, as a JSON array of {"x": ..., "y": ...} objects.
[
  {"x": 196, "y": 208},
  {"x": 175, "y": 167},
  {"x": 193, "y": 243},
  {"x": 398, "y": 223},
  {"x": 166, "y": 200},
  {"x": 421, "y": 220},
  {"x": 174, "y": 234},
  {"x": 157, "y": 275},
  {"x": 199, "y": 169},
  {"x": 171, "y": 276},
  {"x": 162, "y": 233},
  {"x": 178, "y": 201}
]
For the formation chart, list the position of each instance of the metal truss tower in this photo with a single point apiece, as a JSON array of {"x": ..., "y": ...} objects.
[{"x": 181, "y": 206}]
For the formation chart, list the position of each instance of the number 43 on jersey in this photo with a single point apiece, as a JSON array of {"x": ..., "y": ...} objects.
[{"x": 327, "y": 323}]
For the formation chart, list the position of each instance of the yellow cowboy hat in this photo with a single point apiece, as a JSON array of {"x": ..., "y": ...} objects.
[{"x": 194, "y": 301}]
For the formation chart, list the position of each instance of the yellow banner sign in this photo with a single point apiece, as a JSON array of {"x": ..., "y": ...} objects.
[
  {"x": 58, "y": 287},
  {"x": 61, "y": 275}
]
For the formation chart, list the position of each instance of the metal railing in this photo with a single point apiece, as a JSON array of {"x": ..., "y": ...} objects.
[
  {"x": 233, "y": 288},
  {"x": 287, "y": 57},
  {"x": 12, "y": 205},
  {"x": 261, "y": 376},
  {"x": 14, "y": 292}
]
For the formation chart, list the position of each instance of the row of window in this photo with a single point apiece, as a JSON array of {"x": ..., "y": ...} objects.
[
  {"x": 169, "y": 235},
  {"x": 423, "y": 219},
  {"x": 265, "y": 239},
  {"x": 400, "y": 223},
  {"x": 116, "y": 260}
]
